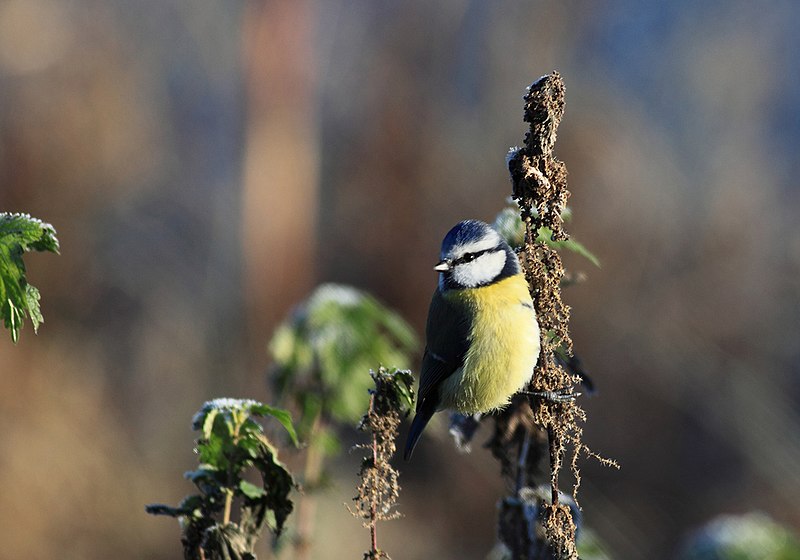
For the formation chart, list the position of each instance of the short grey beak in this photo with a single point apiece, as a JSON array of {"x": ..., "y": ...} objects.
[{"x": 443, "y": 266}]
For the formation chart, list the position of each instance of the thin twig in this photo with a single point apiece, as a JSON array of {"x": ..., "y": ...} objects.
[
  {"x": 551, "y": 439},
  {"x": 373, "y": 507}
]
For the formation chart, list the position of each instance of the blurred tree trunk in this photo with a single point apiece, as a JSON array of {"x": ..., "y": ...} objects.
[{"x": 281, "y": 163}]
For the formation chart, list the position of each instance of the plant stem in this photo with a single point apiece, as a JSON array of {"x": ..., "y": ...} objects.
[
  {"x": 551, "y": 438},
  {"x": 226, "y": 515},
  {"x": 373, "y": 507},
  {"x": 307, "y": 508}
]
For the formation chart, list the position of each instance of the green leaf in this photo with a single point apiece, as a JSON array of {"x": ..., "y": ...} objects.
[
  {"x": 509, "y": 224},
  {"x": 233, "y": 443},
  {"x": 546, "y": 235},
  {"x": 189, "y": 506},
  {"x": 211, "y": 452},
  {"x": 251, "y": 490},
  {"x": 280, "y": 415},
  {"x": 576, "y": 247},
  {"x": 32, "y": 298},
  {"x": 394, "y": 388},
  {"x": 278, "y": 483},
  {"x": 326, "y": 347},
  {"x": 30, "y": 234},
  {"x": 404, "y": 384},
  {"x": 162, "y": 509},
  {"x": 19, "y": 233}
]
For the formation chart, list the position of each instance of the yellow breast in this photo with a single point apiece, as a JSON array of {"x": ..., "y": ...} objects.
[{"x": 504, "y": 347}]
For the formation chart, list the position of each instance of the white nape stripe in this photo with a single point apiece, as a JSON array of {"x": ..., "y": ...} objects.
[
  {"x": 488, "y": 241},
  {"x": 482, "y": 270}
]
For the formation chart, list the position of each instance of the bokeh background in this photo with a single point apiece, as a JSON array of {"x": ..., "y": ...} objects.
[{"x": 207, "y": 163}]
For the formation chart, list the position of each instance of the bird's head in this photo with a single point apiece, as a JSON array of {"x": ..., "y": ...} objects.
[{"x": 474, "y": 254}]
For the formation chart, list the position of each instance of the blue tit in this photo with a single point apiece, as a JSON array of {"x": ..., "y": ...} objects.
[{"x": 482, "y": 335}]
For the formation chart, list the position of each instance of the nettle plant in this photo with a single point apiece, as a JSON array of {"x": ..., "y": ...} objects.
[
  {"x": 20, "y": 233},
  {"x": 322, "y": 357},
  {"x": 233, "y": 450}
]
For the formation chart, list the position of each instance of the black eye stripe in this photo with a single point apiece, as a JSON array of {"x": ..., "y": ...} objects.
[{"x": 469, "y": 257}]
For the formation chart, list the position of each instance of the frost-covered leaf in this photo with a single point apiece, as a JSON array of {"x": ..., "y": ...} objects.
[
  {"x": 19, "y": 233},
  {"x": 323, "y": 352},
  {"x": 509, "y": 225},
  {"x": 235, "y": 412},
  {"x": 31, "y": 234}
]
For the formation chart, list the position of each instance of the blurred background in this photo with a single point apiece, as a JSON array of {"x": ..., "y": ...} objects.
[{"x": 206, "y": 164}]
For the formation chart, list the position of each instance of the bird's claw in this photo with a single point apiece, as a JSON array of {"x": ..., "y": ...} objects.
[{"x": 560, "y": 396}]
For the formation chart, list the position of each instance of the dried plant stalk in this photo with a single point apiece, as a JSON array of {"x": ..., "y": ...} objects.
[
  {"x": 378, "y": 491},
  {"x": 540, "y": 188}
]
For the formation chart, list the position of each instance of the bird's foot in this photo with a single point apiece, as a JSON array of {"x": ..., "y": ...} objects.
[{"x": 564, "y": 395}]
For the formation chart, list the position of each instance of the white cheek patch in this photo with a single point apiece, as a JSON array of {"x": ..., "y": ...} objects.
[{"x": 482, "y": 270}]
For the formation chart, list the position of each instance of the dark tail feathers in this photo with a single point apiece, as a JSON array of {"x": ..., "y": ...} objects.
[{"x": 421, "y": 419}]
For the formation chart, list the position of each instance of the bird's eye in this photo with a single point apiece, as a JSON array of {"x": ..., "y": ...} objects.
[{"x": 469, "y": 257}]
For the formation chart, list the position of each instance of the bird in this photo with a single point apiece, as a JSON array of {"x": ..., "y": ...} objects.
[{"x": 482, "y": 336}]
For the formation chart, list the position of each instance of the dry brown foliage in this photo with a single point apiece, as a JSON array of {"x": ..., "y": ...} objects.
[
  {"x": 379, "y": 489},
  {"x": 540, "y": 188}
]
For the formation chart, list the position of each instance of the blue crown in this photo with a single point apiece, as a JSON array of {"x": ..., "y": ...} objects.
[{"x": 465, "y": 232}]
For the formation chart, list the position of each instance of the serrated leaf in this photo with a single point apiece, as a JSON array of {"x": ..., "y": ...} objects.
[
  {"x": 211, "y": 452},
  {"x": 280, "y": 415},
  {"x": 32, "y": 298},
  {"x": 545, "y": 235},
  {"x": 235, "y": 443},
  {"x": 20, "y": 233},
  {"x": 278, "y": 483},
  {"x": 576, "y": 247},
  {"x": 27, "y": 232}
]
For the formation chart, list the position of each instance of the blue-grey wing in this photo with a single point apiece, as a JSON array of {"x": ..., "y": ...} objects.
[{"x": 447, "y": 342}]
